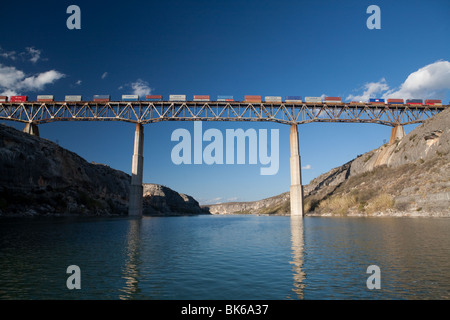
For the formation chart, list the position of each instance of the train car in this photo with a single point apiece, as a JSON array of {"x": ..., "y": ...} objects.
[
  {"x": 177, "y": 97},
  {"x": 201, "y": 98},
  {"x": 356, "y": 102},
  {"x": 153, "y": 97},
  {"x": 225, "y": 98},
  {"x": 273, "y": 99},
  {"x": 130, "y": 97},
  {"x": 332, "y": 100},
  {"x": 72, "y": 98},
  {"x": 431, "y": 102},
  {"x": 414, "y": 101},
  {"x": 293, "y": 99},
  {"x": 3, "y": 99},
  {"x": 377, "y": 101},
  {"x": 252, "y": 98},
  {"x": 45, "y": 98},
  {"x": 18, "y": 98},
  {"x": 313, "y": 100},
  {"x": 395, "y": 101},
  {"x": 101, "y": 98}
]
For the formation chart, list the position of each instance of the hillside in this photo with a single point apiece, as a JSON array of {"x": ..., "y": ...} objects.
[
  {"x": 38, "y": 177},
  {"x": 408, "y": 178}
]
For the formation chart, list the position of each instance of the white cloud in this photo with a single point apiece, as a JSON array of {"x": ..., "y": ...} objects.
[
  {"x": 34, "y": 54},
  {"x": 141, "y": 87},
  {"x": 8, "y": 54},
  {"x": 371, "y": 90},
  {"x": 31, "y": 53},
  {"x": 431, "y": 81},
  {"x": 78, "y": 82},
  {"x": 13, "y": 80},
  {"x": 104, "y": 75},
  {"x": 233, "y": 199},
  {"x": 307, "y": 167}
]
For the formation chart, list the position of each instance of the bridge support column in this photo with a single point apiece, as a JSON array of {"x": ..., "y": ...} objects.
[
  {"x": 397, "y": 133},
  {"x": 31, "y": 128},
  {"x": 137, "y": 169},
  {"x": 296, "y": 190}
]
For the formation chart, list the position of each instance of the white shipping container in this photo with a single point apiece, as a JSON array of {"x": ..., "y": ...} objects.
[
  {"x": 272, "y": 99},
  {"x": 45, "y": 97},
  {"x": 130, "y": 97},
  {"x": 177, "y": 97},
  {"x": 73, "y": 98},
  {"x": 313, "y": 99}
]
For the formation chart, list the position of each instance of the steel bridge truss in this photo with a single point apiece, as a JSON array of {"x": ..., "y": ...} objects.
[{"x": 147, "y": 112}]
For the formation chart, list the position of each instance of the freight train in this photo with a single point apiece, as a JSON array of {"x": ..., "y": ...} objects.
[{"x": 247, "y": 98}]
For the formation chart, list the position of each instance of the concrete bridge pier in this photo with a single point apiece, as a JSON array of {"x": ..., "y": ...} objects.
[
  {"x": 296, "y": 190},
  {"x": 397, "y": 133},
  {"x": 31, "y": 128},
  {"x": 137, "y": 169}
]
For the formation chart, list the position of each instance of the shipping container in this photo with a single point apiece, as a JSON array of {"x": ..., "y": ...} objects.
[
  {"x": 153, "y": 97},
  {"x": 201, "y": 98},
  {"x": 18, "y": 99},
  {"x": 273, "y": 99},
  {"x": 414, "y": 101},
  {"x": 293, "y": 99},
  {"x": 313, "y": 99},
  {"x": 130, "y": 97},
  {"x": 3, "y": 99},
  {"x": 395, "y": 101},
  {"x": 431, "y": 102},
  {"x": 177, "y": 97},
  {"x": 332, "y": 100},
  {"x": 252, "y": 98},
  {"x": 72, "y": 98},
  {"x": 356, "y": 102},
  {"x": 102, "y": 98},
  {"x": 45, "y": 98},
  {"x": 376, "y": 101},
  {"x": 225, "y": 98}
]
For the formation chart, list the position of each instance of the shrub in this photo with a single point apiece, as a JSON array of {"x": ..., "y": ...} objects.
[{"x": 381, "y": 202}]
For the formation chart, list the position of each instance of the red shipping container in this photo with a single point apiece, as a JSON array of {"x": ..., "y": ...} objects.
[
  {"x": 153, "y": 97},
  {"x": 395, "y": 101},
  {"x": 432, "y": 102},
  {"x": 253, "y": 98},
  {"x": 101, "y": 100},
  {"x": 332, "y": 98},
  {"x": 203, "y": 97},
  {"x": 3, "y": 98},
  {"x": 18, "y": 98}
]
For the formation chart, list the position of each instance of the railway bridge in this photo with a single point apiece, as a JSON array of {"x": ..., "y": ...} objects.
[{"x": 144, "y": 112}]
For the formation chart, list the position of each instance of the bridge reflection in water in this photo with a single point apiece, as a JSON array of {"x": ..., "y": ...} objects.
[
  {"x": 131, "y": 270},
  {"x": 297, "y": 237}
]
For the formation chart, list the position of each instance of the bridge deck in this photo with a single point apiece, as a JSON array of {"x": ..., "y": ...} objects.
[{"x": 153, "y": 111}]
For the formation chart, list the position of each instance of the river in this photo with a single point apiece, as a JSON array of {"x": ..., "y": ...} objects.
[{"x": 222, "y": 257}]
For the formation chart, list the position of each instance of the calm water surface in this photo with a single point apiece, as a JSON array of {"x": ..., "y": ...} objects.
[{"x": 225, "y": 257}]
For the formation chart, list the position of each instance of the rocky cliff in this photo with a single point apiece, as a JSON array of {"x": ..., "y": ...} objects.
[
  {"x": 38, "y": 177},
  {"x": 160, "y": 200},
  {"x": 409, "y": 177}
]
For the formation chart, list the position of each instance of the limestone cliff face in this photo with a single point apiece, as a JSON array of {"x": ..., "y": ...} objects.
[
  {"x": 38, "y": 177},
  {"x": 160, "y": 200},
  {"x": 410, "y": 177}
]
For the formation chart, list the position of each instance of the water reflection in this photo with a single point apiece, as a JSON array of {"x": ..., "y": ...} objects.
[
  {"x": 297, "y": 238},
  {"x": 131, "y": 270}
]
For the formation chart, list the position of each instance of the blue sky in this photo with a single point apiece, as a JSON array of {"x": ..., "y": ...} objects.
[{"x": 307, "y": 48}]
